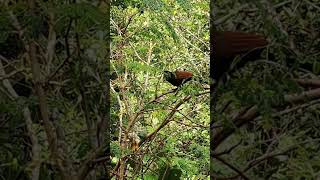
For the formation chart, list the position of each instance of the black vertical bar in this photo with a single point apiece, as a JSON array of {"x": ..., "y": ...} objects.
[
  {"x": 213, "y": 84},
  {"x": 108, "y": 98}
]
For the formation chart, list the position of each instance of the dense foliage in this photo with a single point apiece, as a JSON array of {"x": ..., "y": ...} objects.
[
  {"x": 58, "y": 65},
  {"x": 157, "y": 132},
  {"x": 53, "y": 101},
  {"x": 268, "y": 121}
]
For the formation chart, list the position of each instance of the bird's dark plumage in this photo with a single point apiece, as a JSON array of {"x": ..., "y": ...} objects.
[{"x": 177, "y": 78}]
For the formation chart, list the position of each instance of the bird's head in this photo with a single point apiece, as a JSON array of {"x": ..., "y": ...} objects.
[{"x": 168, "y": 75}]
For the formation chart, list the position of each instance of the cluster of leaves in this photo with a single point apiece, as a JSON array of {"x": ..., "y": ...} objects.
[
  {"x": 284, "y": 137},
  {"x": 146, "y": 40},
  {"x": 76, "y": 75}
]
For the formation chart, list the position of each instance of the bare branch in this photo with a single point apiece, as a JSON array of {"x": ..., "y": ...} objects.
[{"x": 232, "y": 167}]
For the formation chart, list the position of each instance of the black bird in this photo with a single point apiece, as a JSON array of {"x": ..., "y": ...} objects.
[{"x": 177, "y": 78}]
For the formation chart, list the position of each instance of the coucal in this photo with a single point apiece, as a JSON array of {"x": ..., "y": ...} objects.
[
  {"x": 177, "y": 78},
  {"x": 227, "y": 45}
]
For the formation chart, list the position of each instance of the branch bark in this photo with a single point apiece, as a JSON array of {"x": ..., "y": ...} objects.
[{"x": 248, "y": 116}]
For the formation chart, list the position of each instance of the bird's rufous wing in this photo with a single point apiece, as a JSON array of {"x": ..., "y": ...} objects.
[
  {"x": 183, "y": 74},
  {"x": 234, "y": 43}
]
